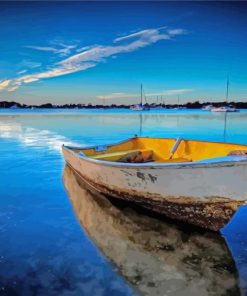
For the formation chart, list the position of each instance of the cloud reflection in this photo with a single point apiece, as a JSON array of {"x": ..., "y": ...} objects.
[{"x": 33, "y": 137}]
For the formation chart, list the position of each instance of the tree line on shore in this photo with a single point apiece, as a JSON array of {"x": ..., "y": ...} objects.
[{"x": 189, "y": 105}]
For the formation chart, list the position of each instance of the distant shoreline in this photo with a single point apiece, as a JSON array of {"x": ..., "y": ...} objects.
[{"x": 193, "y": 105}]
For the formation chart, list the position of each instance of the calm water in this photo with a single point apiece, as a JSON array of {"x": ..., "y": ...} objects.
[{"x": 44, "y": 250}]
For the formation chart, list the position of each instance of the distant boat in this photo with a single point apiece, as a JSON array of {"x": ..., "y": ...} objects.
[
  {"x": 198, "y": 182},
  {"x": 208, "y": 107},
  {"x": 154, "y": 106},
  {"x": 179, "y": 107},
  {"x": 140, "y": 107},
  {"x": 225, "y": 109},
  {"x": 14, "y": 107}
]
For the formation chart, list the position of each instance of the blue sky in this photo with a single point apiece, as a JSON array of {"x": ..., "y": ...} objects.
[{"x": 71, "y": 52}]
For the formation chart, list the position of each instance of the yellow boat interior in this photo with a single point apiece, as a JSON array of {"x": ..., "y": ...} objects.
[{"x": 140, "y": 150}]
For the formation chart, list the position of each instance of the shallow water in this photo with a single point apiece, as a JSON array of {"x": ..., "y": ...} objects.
[{"x": 43, "y": 249}]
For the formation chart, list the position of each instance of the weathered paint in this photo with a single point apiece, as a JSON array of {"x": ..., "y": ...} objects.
[{"x": 204, "y": 194}]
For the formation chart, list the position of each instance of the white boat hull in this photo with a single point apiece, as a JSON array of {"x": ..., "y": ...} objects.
[{"x": 204, "y": 194}]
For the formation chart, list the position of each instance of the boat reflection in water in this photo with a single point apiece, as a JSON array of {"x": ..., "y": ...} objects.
[{"x": 156, "y": 257}]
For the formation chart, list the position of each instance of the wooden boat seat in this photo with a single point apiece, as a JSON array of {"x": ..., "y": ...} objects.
[{"x": 132, "y": 156}]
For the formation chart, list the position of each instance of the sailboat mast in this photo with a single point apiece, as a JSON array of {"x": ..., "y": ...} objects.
[
  {"x": 227, "y": 88},
  {"x": 225, "y": 117},
  {"x": 141, "y": 94}
]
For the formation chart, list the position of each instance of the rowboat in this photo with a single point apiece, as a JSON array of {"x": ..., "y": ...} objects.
[
  {"x": 152, "y": 254},
  {"x": 198, "y": 182}
]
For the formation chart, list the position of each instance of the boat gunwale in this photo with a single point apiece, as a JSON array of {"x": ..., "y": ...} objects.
[
  {"x": 108, "y": 145},
  {"x": 207, "y": 163},
  {"x": 148, "y": 137}
]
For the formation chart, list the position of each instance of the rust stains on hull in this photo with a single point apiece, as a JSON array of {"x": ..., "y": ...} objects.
[{"x": 212, "y": 214}]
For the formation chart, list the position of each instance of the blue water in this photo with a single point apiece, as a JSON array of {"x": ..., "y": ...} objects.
[{"x": 43, "y": 250}]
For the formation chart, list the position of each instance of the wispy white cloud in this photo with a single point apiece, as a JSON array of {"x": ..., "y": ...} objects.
[
  {"x": 168, "y": 92},
  {"x": 83, "y": 48},
  {"x": 29, "y": 64},
  {"x": 42, "y": 48},
  {"x": 59, "y": 71},
  {"x": 4, "y": 84},
  {"x": 174, "y": 32},
  {"x": 58, "y": 47},
  {"x": 90, "y": 57},
  {"x": 153, "y": 35},
  {"x": 21, "y": 72},
  {"x": 117, "y": 96},
  {"x": 13, "y": 88},
  {"x": 145, "y": 38}
]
